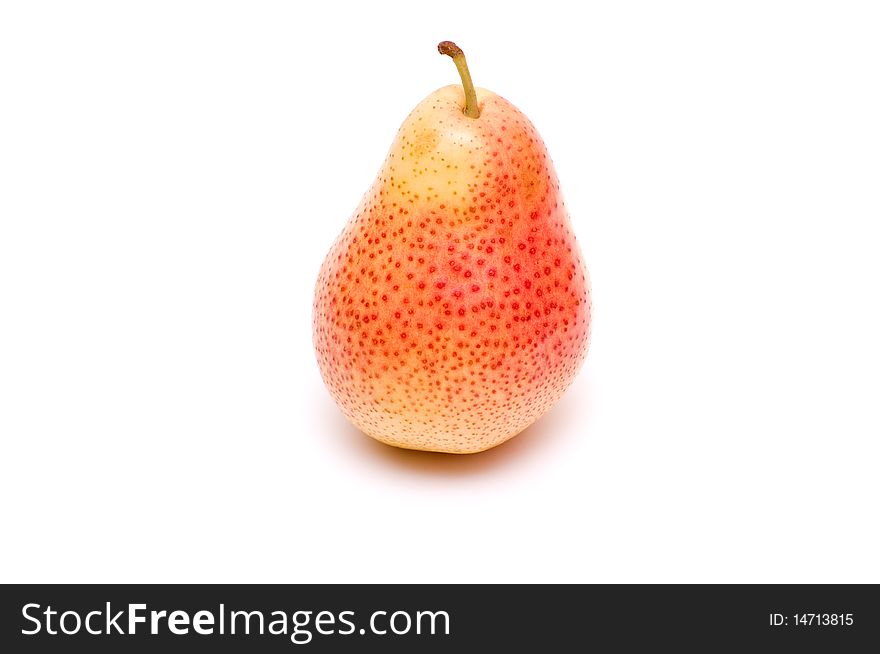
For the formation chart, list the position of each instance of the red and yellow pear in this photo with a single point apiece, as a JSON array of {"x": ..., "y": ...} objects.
[{"x": 454, "y": 309}]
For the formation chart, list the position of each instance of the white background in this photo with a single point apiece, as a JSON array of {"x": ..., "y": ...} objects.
[{"x": 172, "y": 174}]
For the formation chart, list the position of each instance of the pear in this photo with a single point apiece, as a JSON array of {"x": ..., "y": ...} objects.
[{"x": 454, "y": 309}]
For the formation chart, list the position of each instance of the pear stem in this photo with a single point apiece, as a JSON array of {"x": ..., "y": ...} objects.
[{"x": 470, "y": 94}]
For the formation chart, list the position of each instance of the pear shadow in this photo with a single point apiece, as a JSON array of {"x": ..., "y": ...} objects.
[{"x": 547, "y": 432}]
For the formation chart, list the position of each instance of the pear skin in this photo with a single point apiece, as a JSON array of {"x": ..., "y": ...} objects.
[{"x": 454, "y": 309}]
